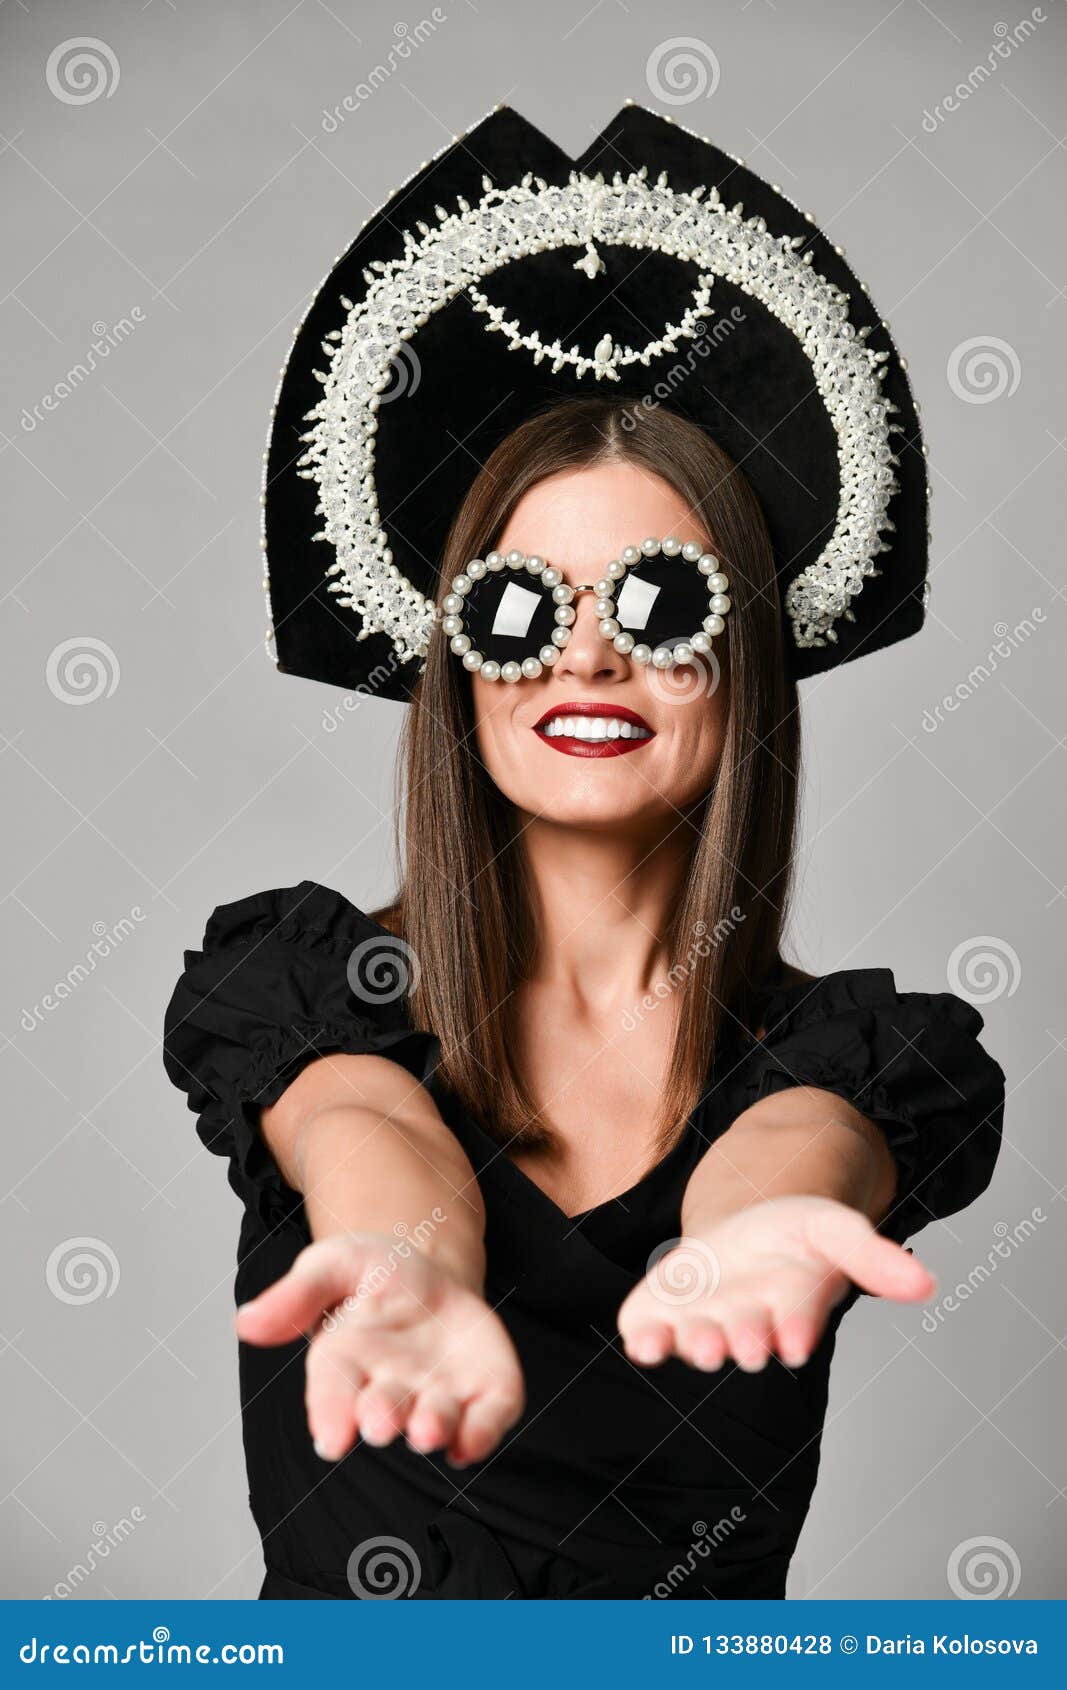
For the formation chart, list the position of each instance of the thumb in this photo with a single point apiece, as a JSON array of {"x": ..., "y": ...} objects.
[
  {"x": 849, "y": 1241},
  {"x": 319, "y": 1279}
]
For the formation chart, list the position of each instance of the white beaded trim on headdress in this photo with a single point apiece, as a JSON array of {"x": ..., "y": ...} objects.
[
  {"x": 508, "y": 224},
  {"x": 607, "y": 358}
]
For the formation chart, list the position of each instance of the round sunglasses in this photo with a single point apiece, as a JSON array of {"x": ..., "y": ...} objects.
[{"x": 509, "y": 615}]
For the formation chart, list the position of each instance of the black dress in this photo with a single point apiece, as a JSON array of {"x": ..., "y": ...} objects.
[{"x": 619, "y": 1481}]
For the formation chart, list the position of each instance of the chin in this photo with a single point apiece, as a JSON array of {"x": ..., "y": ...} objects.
[
  {"x": 601, "y": 818},
  {"x": 603, "y": 800}
]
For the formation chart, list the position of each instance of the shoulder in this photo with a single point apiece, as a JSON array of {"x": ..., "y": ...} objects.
[
  {"x": 283, "y": 977},
  {"x": 307, "y": 915},
  {"x": 296, "y": 953},
  {"x": 795, "y": 1002},
  {"x": 302, "y": 953},
  {"x": 859, "y": 1021},
  {"x": 912, "y": 1061},
  {"x": 296, "y": 968}
]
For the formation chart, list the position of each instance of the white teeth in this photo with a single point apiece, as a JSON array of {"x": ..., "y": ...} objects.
[{"x": 593, "y": 728}]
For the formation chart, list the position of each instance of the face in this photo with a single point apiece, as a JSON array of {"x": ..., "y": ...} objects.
[{"x": 663, "y": 728}]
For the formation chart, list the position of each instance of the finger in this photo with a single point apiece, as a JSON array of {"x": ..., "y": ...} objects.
[
  {"x": 748, "y": 1336},
  {"x": 317, "y": 1281},
  {"x": 874, "y": 1263},
  {"x": 334, "y": 1380},
  {"x": 433, "y": 1420},
  {"x": 649, "y": 1344},
  {"x": 702, "y": 1343},
  {"x": 383, "y": 1410},
  {"x": 795, "y": 1337},
  {"x": 483, "y": 1422}
]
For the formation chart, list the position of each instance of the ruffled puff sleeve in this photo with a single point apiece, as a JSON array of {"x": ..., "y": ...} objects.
[
  {"x": 283, "y": 977},
  {"x": 909, "y": 1061}
]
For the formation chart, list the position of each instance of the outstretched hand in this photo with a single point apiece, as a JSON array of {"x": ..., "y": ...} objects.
[
  {"x": 762, "y": 1282},
  {"x": 398, "y": 1347}
]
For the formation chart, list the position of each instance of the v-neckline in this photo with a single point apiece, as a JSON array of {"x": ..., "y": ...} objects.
[{"x": 573, "y": 1221}]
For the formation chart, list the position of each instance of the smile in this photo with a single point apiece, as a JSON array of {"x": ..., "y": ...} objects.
[{"x": 593, "y": 730}]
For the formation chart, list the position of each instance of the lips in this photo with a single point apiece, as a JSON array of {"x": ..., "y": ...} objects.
[{"x": 589, "y": 729}]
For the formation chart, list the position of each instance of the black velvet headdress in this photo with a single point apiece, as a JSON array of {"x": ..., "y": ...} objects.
[{"x": 505, "y": 276}]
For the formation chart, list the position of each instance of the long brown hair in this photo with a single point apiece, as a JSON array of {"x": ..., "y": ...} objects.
[{"x": 464, "y": 906}]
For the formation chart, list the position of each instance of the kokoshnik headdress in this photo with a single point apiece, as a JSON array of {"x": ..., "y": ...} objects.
[{"x": 503, "y": 277}]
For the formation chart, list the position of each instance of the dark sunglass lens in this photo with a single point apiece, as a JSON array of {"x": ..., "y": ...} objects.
[
  {"x": 661, "y": 602},
  {"x": 508, "y": 616}
]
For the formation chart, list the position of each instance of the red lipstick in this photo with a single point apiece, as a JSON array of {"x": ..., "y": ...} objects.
[{"x": 568, "y": 728}]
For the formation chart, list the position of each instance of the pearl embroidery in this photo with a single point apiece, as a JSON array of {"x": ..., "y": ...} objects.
[
  {"x": 509, "y": 224},
  {"x": 608, "y": 359}
]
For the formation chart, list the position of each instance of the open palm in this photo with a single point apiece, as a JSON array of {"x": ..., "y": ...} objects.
[
  {"x": 762, "y": 1282},
  {"x": 398, "y": 1347}
]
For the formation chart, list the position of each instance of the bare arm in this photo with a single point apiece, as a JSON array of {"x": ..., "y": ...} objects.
[
  {"x": 777, "y": 1222},
  {"x": 390, "y": 1292},
  {"x": 366, "y": 1147},
  {"x": 798, "y": 1143}
]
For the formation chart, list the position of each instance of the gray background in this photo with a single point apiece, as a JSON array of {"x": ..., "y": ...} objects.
[{"x": 201, "y": 191}]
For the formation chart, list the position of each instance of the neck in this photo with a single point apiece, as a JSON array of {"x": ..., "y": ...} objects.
[{"x": 604, "y": 901}]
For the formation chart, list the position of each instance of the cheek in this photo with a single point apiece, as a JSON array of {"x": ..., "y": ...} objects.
[
  {"x": 504, "y": 748},
  {"x": 690, "y": 758},
  {"x": 691, "y": 728}
]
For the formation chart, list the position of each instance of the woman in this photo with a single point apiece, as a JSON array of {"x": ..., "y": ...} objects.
[{"x": 557, "y": 1178}]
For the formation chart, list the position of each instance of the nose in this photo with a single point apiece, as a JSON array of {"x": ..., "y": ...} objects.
[{"x": 588, "y": 656}]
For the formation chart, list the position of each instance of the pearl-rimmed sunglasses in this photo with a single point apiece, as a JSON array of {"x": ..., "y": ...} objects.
[{"x": 510, "y": 629}]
